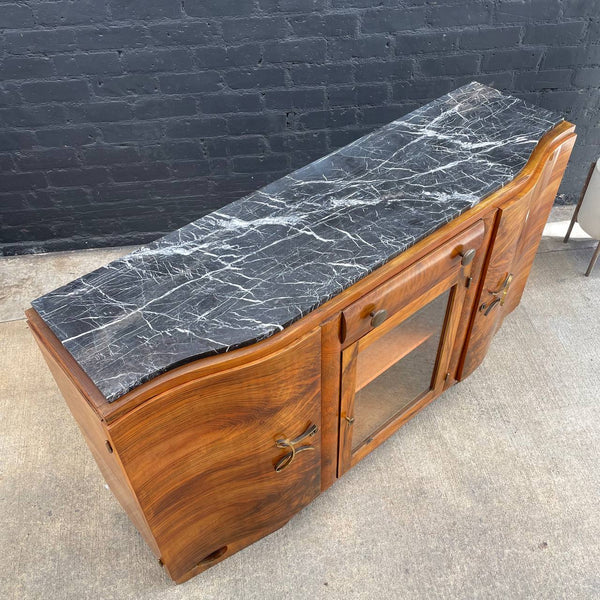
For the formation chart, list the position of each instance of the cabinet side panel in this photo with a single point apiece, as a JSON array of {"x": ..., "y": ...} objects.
[
  {"x": 96, "y": 436},
  {"x": 539, "y": 212},
  {"x": 202, "y": 456}
]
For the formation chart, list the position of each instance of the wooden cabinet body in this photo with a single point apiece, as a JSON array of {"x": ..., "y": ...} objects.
[{"x": 213, "y": 455}]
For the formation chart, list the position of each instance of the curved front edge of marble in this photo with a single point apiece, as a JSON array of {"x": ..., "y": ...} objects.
[{"x": 244, "y": 272}]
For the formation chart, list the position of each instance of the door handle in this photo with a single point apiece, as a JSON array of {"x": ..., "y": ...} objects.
[
  {"x": 288, "y": 458},
  {"x": 503, "y": 289},
  {"x": 486, "y": 309},
  {"x": 499, "y": 295}
]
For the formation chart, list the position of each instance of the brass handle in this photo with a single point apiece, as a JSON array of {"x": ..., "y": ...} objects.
[
  {"x": 467, "y": 257},
  {"x": 286, "y": 460},
  {"x": 499, "y": 295},
  {"x": 503, "y": 289},
  {"x": 487, "y": 308},
  {"x": 378, "y": 317}
]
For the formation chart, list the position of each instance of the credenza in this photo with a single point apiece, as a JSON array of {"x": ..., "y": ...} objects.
[{"x": 226, "y": 374}]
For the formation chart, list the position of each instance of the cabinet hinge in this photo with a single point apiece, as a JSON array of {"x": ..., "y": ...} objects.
[
  {"x": 447, "y": 376},
  {"x": 468, "y": 282}
]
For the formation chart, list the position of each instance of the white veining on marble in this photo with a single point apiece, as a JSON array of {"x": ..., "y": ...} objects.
[{"x": 246, "y": 271}]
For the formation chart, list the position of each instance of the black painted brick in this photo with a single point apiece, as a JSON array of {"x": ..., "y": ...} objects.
[
  {"x": 304, "y": 51},
  {"x": 40, "y": 42},
  {"x": 99, "y": 112},
  {"x": 107, "y": 155},
  {"x": 233, "y": 56},
  {"x": 212, "y": 8},
  {"x": 77, "y": 177},
  {"x": 582, "y": 8},
  {"x": 298, "y": 98},
  {"x": 551, "y": 79},
  {"x": 392, "y": 20},
  {"x": 145, "y": 114},
  {"x": 449, "y": 65},
  {"x": 420, "y": 42},
  {"x": 320, "y": 74},
  {"x": 33, "y": 116},
  {"x": 164, "y": 60},
  {"x": 230, "y": 103},
  {"x": 340, "y": 24},
  {"x": 263, "y": 78},
  {"x": 96, "y": 63},
  {"x": 131, "y": 132},
  {"x": 187, "y": 83},
  {"x": 488, "y": 37},
  {"x": 55, "y": 91},
  {"x": 156, "y": 108},
  {"x": 267, "y": 123},
  {"x": 384, "y": 71},
  {"x": 251, "y": 164},
  {"x": 333, "y": 118},
  {"x": 124, "y": 85},
  {"x": 555, "y": 34},
  {"x": 518, "y": 58},
  {"x": 196, "y": 33},
  {"x": 67, "y": 12},
  {"x": 197, "y": 128},
  {"x": 140, "y": 172},
  {"x": 16, "y": 16},
  {"x": 264, "y": 28},
  {"x": 71, "y": 136},
  {"x": 517, "y": 11},
  {"x": 26, "y": 68},
  {"x": 465, "y": 13},
  {"x": 145, "y": 9},
  {"x": 362, "y": 47}
]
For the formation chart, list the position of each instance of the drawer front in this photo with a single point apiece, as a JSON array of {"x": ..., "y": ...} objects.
[{"x": 384, "y": 301}]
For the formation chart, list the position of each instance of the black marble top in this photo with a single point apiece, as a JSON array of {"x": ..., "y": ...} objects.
[{"x": 246, "y": 271}]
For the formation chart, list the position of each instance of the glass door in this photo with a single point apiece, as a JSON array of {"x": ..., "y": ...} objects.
[{"x": 396, "y": 369}]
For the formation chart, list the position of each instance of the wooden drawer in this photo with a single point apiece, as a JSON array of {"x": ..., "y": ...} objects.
[{"x": 438, "y": 266}]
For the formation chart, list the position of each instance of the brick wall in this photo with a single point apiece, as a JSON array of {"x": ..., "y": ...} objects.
[{"x": 123, "y": 119}]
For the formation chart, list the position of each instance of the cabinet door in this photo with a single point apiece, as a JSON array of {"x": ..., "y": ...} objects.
[
  {"x": 497, "y": 282},
  {"x": 220, "y": 462},
  {"x": 401, "y": 363}
]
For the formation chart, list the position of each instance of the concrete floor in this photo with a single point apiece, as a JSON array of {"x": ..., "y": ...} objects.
[{"x": 491, "y": 492}]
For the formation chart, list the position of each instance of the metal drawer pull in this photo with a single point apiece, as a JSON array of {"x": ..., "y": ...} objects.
[
  {"x": 467, "y": 257},
  {"x": 378, "y": 317},
  {"x": 286, "y": 460}
]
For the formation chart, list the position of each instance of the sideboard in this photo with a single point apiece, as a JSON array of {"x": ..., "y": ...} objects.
[{"x": 226, "y": 374}]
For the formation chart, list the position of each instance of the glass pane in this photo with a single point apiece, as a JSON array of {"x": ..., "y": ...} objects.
[{"x": 397, "y": 368}]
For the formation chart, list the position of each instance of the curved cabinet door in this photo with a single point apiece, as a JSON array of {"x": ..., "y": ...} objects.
[
  {"x": 497, "y": 285},
  {"x": 220, "y": 462},
  {"x": 519, "y": 226}
]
